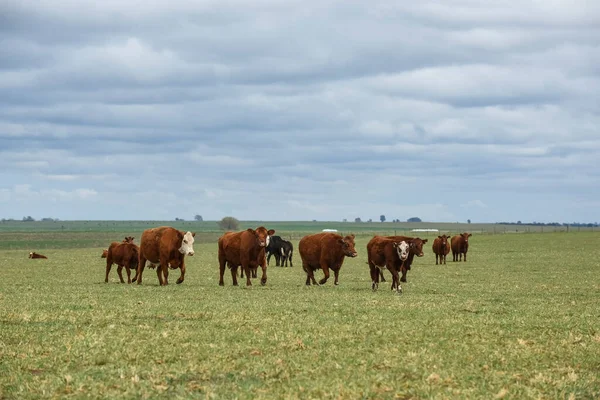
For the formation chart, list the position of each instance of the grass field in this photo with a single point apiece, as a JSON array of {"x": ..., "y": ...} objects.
[{"x": 520, "y": 319}]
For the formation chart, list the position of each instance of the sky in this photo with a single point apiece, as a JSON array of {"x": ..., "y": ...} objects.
[{"x": 299, "y": 110}]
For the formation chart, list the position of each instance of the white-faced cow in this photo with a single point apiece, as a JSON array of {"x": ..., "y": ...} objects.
[
  {"x": 164, "y": 247},
  {"x": 385, "y": 253}
]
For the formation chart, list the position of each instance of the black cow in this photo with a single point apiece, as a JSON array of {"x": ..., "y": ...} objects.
[
  {"x": 287, "y": 248},
  {"x": 274, "y": 249}
]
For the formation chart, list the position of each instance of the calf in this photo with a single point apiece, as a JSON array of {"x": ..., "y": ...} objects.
[
  {"x": 460, "y": 246},
  {"x": 245, "y": 248},
  {"x": 273, "y": 248},
  {"x": 387, "y": 253},
  {"x": 441, "y": 248},
  {"x": 287, "y": 249},
  {"x": 124, "y": 254},
  {"x": 415, "y": 246},
  {"x": 33, "y": 254},
  {"x": 325, "y": 251},
  {"x": 164, "y": 247}
]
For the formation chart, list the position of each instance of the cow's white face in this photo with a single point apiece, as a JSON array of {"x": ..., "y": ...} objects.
[
  {"x": 268, "y": 241},
  {"x": 402, "y": 249},
  {"x": 187, "y": 244}
]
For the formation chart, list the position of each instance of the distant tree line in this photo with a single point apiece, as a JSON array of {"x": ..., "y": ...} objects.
[{"x": 534, "y": 223}]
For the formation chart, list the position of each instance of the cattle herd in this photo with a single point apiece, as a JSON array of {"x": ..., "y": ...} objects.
[{"x": 165, "y": 248}]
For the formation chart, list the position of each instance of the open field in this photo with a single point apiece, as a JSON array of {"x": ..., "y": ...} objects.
[{"x": 520, "y": 319}]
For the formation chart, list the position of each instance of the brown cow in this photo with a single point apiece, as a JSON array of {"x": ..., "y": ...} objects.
[
  {"x": 441, "y": 248},
  {"x": 415, "y": 248},
  {"x": 164, "y": 247},
  {"x": 460, "y": 246},
  {"x": 245, "y": 249},
  {"x": 128, "y": 239},
  {"x": 33, "y": 254},
  {"x": 325, "y": 251},
  {"x": 387, "y": 253},
  {"x": 125, "y": 254}
]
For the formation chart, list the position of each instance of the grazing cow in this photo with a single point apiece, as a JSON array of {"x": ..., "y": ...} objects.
[
  {"x": 33, "y": 254},
  {"x": 287, "y": 249},
  {"x": 415, "y": 246},
  {"x": 441, "y": 248},
  {"x": 125, "y": 254},
  {"x": 325, "y": 251},
  {"x": 460, "y": 246},
  {"x": 387, "y": 253},
  {"x": 164, "y": 247},
  {"x": 245, "y": 248},
  {"x": 274, "y": 249}
]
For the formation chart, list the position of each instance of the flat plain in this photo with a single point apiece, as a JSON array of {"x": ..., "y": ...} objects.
[{"x": 519, "y": 319}]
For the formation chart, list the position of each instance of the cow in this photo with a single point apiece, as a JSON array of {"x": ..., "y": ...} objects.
[
  {"x": 415, "y": 248},
  {"x": 387, "y": 253},
  {"x": 441, "y": 248},
  {"x": 164, "y": 247},
  {"x": 33, "y": 254},
  {"x": 124, "y": 254},
  {"x": 326, "y": 251},
  {"x": 460, "y": 246},
  {"x": 287, "y": 249},
  {"x": 128, "y": 239},
  {"x": 246, "y": 249},
  {"x": 274, "y": 249}
]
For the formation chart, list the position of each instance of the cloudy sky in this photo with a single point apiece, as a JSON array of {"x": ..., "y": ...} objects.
[{"x": 300, "y": 110}]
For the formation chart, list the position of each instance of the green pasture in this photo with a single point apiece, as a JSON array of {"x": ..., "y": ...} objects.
[{"x": 520, "y": 319}]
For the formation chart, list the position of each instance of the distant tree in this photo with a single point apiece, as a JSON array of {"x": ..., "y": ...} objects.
[
  {"x": 28, "y": 218},
  {"x": 345, "y": 220},
  {"x": 48, "y": 219},
  {"x": 370, "y": 220},
  {"x": 357, "y": 219},
  {"x": 468, "y": 221},
  {"x": 229, "y": 224},
  {"x": 198, "y": 217},
  {"x": 414, "y": 219},
  {"x": 518, "y": 222},
  {"x": 382, "y": 218},
  {"x": 179, "y": 219}
]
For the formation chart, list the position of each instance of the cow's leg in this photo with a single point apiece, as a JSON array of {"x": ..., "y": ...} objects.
[
  {"x": 120, "y": 272},
  {"x": 234, "y": 275},
  {"x": 404, "y": 271},
  {"x": 182, "y": 276},
  {"x": 248, "y": 271},
  {"x": 108, "y": 266},
  {"x": 263, "y": 279},
  {"x": 222, "y": 263},
  {"x": 436, "y": 259},
  {"x": 306, "y": 269},
  {"x": 128, "y": 270},
  {"x": 140, "y": 269},
  {"x": 162, "y": 273},
  {"x": 291, "y": 254},
  {"x": 465, "y": 256},
  {"x": 336, "y": 274},
  {"x": 374, "y": 277},
  {"x": 325, "y": 269},
  {"x": 277, "y": 260}
]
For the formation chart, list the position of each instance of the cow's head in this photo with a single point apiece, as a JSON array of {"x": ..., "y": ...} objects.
[
  {"x": 262, "y": 235},
  {"x": 402, "y": 249},
  {"x": 466, "y": 236},
  {"x": 443, "y": 240},
  {"x": 348, "y": 246},
  {"x": 128, "y": 239},
  {"x": 416, "y": 246},
  {"x": 104, "y": 253},
  {"x": 187, "y": 243},
  {"x": 31, "y": 254}
]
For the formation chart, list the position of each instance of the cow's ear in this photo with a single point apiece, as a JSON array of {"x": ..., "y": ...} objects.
[
  {"x": 470, "y": 235},
  {"x": 411, "y": 245},
  {"x": 352, "y": 235},
  {"x": 341, "y": 241},
  {"x": 395, "y": 244},
  {"x": 271, "y": 232},
  {"x": 193, "y": 234},
  {"x": 252, "y": 231},
  {"x": 424, "y": 241},
  {"x": 440, "y": 237}
]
